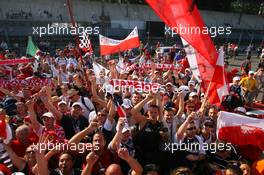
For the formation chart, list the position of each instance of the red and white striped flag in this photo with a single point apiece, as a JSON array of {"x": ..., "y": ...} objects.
[
  {"x": 240, "y": 130},
  {"x": 109, "y": 46}
]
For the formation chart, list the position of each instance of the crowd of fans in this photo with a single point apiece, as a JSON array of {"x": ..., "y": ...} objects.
[{"x": 76, "y": 109}]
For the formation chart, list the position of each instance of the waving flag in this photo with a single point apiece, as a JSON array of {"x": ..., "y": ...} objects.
[
  {"x": 184, "y": 18},
  {"x": 245, "y": 130},
  {"x": 109, "y": 46},
  {"x": 85, "y": 43},
  {"x": 31, "y": 47},
  {"x": 120, "y": 111},
  {"x": 218, "y": 87}
]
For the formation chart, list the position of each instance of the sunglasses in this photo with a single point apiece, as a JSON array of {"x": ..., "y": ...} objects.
[
  {"x": 30, "y": 152},
  {"x": 190, "y": 129}
]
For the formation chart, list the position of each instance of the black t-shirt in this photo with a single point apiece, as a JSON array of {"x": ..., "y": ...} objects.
[
  {"x": 71, "y": 126},
  {"x": 148, "y": 139}
]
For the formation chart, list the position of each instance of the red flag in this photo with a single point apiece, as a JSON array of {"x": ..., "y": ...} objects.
[
  {"x": 245, "y": 130},
  {"x": 183, "y": 14},
  {"x": 202, "y": 70},
  {"x": 120, "y": 111},
  {"x": 109, "y": 46},
  {"x": 218, "y": 87}
]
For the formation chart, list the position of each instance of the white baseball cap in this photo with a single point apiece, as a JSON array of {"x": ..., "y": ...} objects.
[
  {"x": 251, "y": 72},
  {"x": 62, "y": 102},
  {"x": 77, "y": 104},
  {"x": 236, "y": 79},
  {"x": 240, "y": 109},
  {"x": 193, "y": 94}
]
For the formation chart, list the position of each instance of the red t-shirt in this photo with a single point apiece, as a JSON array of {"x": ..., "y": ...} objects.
[
  {"x": 19, "y": 148},
  {"x": 106, "y": 159}
]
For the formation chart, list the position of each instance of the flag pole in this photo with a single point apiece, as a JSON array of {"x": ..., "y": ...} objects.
[{"x": 207, "y": 90}]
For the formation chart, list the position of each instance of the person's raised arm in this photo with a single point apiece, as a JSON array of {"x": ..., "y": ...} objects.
[
  {"x": 91, "y": 159},
  {"x": 96, "y": 98},
  {"x": 80, "y": 135},
  {"x": 33, "y": 117},
  {"x": 114, "y": 144},
  {"x": 112, "y": 112},
  {"x": 160, "y": 105},
  {"x": 183, "y": 127},
  {"x": 204, "y": 107},
  {"x": 42, "y": 163},
  {"x": 48, "y": 104},
  {"x": 135, "y": 111},
  {"x": 181, "y": 104},
  {"x": 133, "y": 163}
]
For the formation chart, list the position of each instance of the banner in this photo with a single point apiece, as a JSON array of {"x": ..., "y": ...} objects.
[
  {"x": 245, "y": 130},
  {"x": 109, "y": 46},
  {"x": 138, "y": 86},
  {"x": 164, "y": 67},
  {"x": 8, "y": 84},
  {"x": 16, "y": 61}
]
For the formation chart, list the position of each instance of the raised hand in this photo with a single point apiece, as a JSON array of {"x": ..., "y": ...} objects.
[
  {"x": 92, "y": 158},
  {"x": 149, "y": 96},
  {"x": 120, "y": 124},
  {"x": 123, "y": 153},
  {"x": 94, "y": 124},
  {"x": 191, "y": 117}
]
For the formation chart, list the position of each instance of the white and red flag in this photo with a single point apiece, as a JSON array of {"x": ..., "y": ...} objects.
[
  {"x": 218, "y": 88},
  {"x": 120, "y": 111},
  {"x": 184, "y": 18},
  {"x": 109, "y": 46},
  {"x": 240, "y": 130}
]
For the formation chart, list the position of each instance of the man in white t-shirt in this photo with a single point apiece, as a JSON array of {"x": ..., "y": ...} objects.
[{"x": 87, "y": 104}]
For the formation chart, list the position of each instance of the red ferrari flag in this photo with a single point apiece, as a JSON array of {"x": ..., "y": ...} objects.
[
  {"x": 109, "y": 46},
  {"x": 184, "y": 18}
]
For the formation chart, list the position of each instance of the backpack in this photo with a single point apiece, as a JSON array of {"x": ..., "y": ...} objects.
[{"x": 87, "y": 107}]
